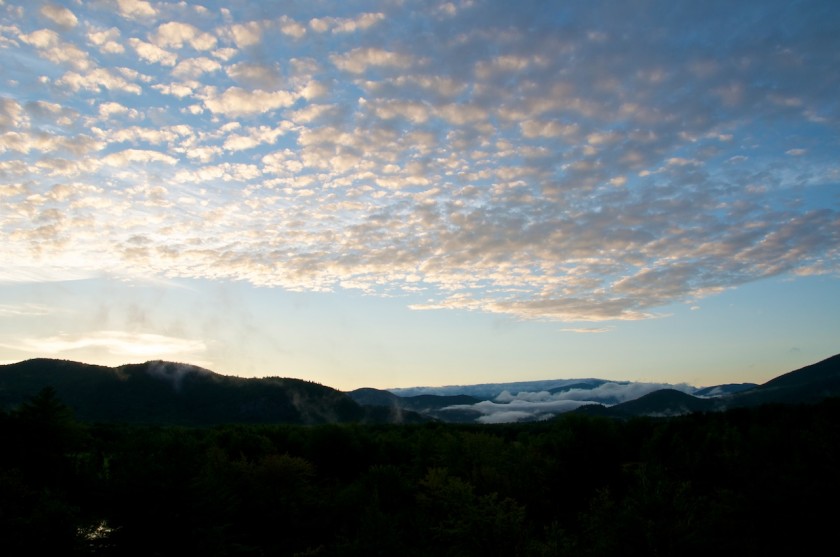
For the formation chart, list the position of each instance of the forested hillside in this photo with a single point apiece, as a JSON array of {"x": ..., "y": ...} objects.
[
  {"x": 170, "y": 393},
  {"x": 750, "y": 481}
]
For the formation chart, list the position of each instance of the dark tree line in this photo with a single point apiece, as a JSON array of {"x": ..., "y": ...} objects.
[{"x": 743, "y": 482}]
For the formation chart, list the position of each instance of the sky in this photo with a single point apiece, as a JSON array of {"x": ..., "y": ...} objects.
[{"x": 400, "y": 193}]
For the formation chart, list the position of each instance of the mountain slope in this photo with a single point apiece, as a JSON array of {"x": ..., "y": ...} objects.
[
  {"x": 664, "y": 402},
  {"x": 722, "y": 390},
  {"x": 808, "y": 385},
  {"x": 805, "y": 385},
  {"x": 660, "y": 403},
  {"x": 170, "y": 393},
  {"x": 374, "y": 397},
  {"x": 160, "y": 392},
  {"x": 432, "y": 406}
]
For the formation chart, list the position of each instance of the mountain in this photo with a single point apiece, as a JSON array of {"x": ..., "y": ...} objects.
[
  {"x": 661, "y": 403},
  {"x": 374, "y": 397},
  {"x": 418, "y": 403},
  {"x": 159, "y": 392},
  {"x": 433, "y": 406},
  {"x": 806, "y": 385},
  {"x": 488, "y": 391},
  {"x": 588, "y": 384},
  {"x": 722, "y": 390}
]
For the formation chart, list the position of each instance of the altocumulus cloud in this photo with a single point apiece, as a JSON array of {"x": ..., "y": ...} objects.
[{"x": 542, "y": 160}]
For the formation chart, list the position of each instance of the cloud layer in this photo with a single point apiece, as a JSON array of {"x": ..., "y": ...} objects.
[
  {"x": 580, "y": 162},
  {"x": 541, "y": 400}
]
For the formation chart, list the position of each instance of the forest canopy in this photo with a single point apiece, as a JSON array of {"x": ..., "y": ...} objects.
[{"x": 743, "y": 482}]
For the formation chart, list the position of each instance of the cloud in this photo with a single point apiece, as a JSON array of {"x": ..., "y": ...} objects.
[
  {"x": 506, "y": 64},
  {"x": 173, "y": 372},
  {"x": 292, "y": 28},
  {"x": 586, "y": 330},
  {"x": 52, "y": 48},
  {"x": 180, "y": 90},
  {"x": 192, "y": 68},
  {"x": 575, "y": 171},
  {"x": 225, "y": 172},
  {"x": 595, "y": 308},
  {"x": 346, "y": 25},
  {"x": 42, "y": 38},
  {"x": 106, "y": 40},
  {"x": 128, "y": 156},
  {"x": 96, "y": 80},
  {"x": 59, "y": 15},
  {"x": 246, "y": 34},
  {"x": 610, "y": 393},
  {"x": 254, "y": 137},
  {"x": 23, "y": 310},
  {"x": 14, "y": 272},
  {"x": 518, "y": 410},
  {"x": 236, "y": 101},
  {"x": 312, "y": 112},
  {"x": 175, "y": 34},
  {"x": 136, "y": 9},
  {"x": 255, "y": 75},
  {"x": 552, "y": 128},
  {"x": 152, "y": 53},
  {"x": 526, "y": 405},
  {"x": 447, "y": 9},
  {"x": 118, "y": 343},
  {"x": 11, "y": 114},
  {"x": 47, "y": 143},
  {"x": 461, "y": 114},
  {"x": 108, "y": 109},
  {"x": 358, "y": 60},
  {"x": 168, "y": 135}
]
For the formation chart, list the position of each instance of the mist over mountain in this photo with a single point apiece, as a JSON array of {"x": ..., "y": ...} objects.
[
  {"x": 808, "y": 385},
  {"x": 666, "y": 403},
  {"x": 531, "y": 400},
  {"x": 487, "y": 391},
  {"x": 447, "y": 408},
  {"x": 542, "y": 400},
  {"x": 158, "y": 392},
  {"x": 721, "y": 390}
]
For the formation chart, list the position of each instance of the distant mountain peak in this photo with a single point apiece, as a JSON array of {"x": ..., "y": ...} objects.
[{"x": 664, "y": 403}]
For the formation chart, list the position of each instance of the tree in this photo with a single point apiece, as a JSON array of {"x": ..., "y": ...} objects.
[
  {"x": 37, "y": 513},
  {"x": 45, "y": 434}
]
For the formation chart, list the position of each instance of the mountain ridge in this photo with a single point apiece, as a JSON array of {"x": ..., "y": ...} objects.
[
  {"x": 159, "y": 391},
  {"x": 806, "y": 385}
]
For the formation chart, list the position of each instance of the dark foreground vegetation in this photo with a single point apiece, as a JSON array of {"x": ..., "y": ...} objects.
[{"x": 751, "y": 481}]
